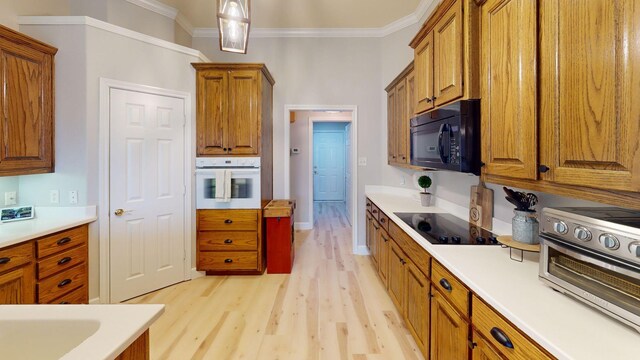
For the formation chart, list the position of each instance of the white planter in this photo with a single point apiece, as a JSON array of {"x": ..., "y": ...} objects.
[{"x": 425, "y": 199}]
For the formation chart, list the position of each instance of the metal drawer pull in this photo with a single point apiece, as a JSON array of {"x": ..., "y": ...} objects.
[
  {"x": 446, "y": 285},
  {"x": 228, "y": 241},
  {"x": 501, "y": 337},
  {"x": 63, "y": 241},
  {"x": 228, "y": 261},
  {"x": 228, "y": 221},
  {"x": 64, "y": 303},
  {"x": 64, "y": 260},
  {"x": 64, "y": 283},
  {"x": 4, "y": 260}
]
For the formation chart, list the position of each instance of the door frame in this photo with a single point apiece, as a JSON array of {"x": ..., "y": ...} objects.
[
  {"x": 104, "y": 139},
  {"x": 312, "y": 121},
  {"x": 354, "y": 161}
]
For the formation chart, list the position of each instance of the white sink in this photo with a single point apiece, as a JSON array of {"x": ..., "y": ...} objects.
[
  {"x": 43, "y": 340},
  {"x": 72, "y": 332}
]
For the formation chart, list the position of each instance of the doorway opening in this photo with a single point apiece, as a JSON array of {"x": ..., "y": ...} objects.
[{"x": 321, "y": 162}]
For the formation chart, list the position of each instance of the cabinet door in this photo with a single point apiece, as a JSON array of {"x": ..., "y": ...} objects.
[
  {"x": 508, "y": 72},
  {"x": 402, "y": 122},
  {"x": 423, "y": 68},
  {"x": 391, "y": 128},
  {"x": 449, "y": 330},
  {"x": 369, "y": 228},
  {"x": 411, "y": 109},
  {"x": 417, "y": 305},
  {"x": 212, "y": 112},
  {"x": 447, "y": 56},
  {"x": 18, "y": 286},
  {"x": 383, "y": 256},
  {"x": 375, "y": 225},
  {"x": 590, "y": 80},
  {"x": 244, "y": 127},
  {"x": 482, "y": 350},
  {"x": 396, "y": 275},
  {"x": 26, "y": 110}
]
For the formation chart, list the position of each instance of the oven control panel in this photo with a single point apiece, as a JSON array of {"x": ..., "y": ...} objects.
[{"x": 603, "y": 239}]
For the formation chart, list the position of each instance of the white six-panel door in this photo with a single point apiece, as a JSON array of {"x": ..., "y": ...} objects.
[
  {"x": 328, "y": 166},
  {"x": 147, "y": 190}
]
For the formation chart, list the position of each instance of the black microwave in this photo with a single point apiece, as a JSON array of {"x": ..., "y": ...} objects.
[{"x": 448, "y": 138}]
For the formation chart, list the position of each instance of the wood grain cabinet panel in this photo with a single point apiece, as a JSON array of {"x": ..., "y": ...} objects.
[
  {"x": 416, "y": 310},
  {"x": 447, "y": 57},
  {"x": 383, "y": 256},
  {"x": 590, "y": 80},
  {"x": 17, "y": 286},
  {"x": 482, "y": 350},
  {"x": 508, "y": 87},
  {"x": 26, "y": 105},
  {"x": 449, "y": 330},
  {"x": 401, "y": 122},
  {"x": 375, "y": 234},
  {"x": 244, "y": 127},
  {"x": 396, "y": 275},
  {"x": 391, "y": 125},
  {"x": 212, "y": 111},
  {"x": 423, "y": 67},
  {"x": 400, "y": 108}
]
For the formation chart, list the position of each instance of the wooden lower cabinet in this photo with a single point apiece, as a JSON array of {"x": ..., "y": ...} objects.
[
  {"x": 373, "y": 228},
  {"x": 138, "y": 350},
  {"x": 384, "y": 243},
  {"x": 416, "y": 309},
  {"x": 230, "y": 242},
  {"x": 449, "y": 330},
  {"x": 482, "y": 350},
  {"x": 17, "y": 286},
  {"x": 396, "y": 275}
]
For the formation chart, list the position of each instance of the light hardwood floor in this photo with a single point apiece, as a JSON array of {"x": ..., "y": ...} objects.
[{"x": 332, "y": 306}]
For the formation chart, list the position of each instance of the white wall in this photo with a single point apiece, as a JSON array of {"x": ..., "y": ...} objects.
[
  {"x": 9, "y": 183},
  {"x": 10, "y": 9},
  {"x": 85, "y": 55},
  {"x": 136, "y": 18}
]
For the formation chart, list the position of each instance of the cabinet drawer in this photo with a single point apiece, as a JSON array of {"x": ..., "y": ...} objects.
[
  {"x": 227, "y": 220},
  {"x": 368, "y": 204},
  {"x": 452, "y": 289},
  {"x": 417, "y": 253},
  {"x": 492, "y": 326},
  {"x": 375, "y": 211},
  {"x": 227, "y": 260},
  {"x": 77, "y": 296},
  {"x": 227, "y": 240},
  {"x": 62, "y": 283},
  {"x": 62, "y": 261},
  {"x": 15, "y": 256},
  {"x": 61, "y": 241},
  {"x": 384, "y": 221}
]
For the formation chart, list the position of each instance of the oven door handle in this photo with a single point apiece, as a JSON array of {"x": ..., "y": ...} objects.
[{"x": 444, "y": 158}]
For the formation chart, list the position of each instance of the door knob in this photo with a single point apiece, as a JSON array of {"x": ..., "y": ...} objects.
[
  {"x": 315, "y": 173},
  {"x": 120, "y": 212}
]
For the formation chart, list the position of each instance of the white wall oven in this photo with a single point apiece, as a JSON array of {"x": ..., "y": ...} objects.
[
  {"x": 593, "y": 255},
  {"x": 228, "y": 183}
]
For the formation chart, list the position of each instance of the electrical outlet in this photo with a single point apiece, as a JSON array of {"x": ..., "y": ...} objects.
[
  {"x": 402, "y": 180},
  {"x": 54, "y": 196},
  {"x": 73, "y": 197},
  {"x": 10, "y": 198},
  {"x": 362, "y": 161}
]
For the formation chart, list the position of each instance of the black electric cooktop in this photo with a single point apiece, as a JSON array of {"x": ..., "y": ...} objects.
[{"x": 447, "y": 229}]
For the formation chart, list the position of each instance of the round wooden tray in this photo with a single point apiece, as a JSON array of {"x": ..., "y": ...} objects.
[{"x": 508, "y": 241}]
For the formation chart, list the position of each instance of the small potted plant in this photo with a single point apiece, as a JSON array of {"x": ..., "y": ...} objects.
[{"x": 425, "y": 182}]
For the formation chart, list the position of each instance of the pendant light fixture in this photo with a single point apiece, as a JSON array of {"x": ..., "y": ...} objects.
[{"x": 234, "y": 17}]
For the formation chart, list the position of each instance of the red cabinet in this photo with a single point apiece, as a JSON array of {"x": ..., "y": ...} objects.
[{"x": 280, "y": 236}]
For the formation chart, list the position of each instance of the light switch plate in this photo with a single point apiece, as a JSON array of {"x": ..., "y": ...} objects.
[
  {"x": 73, "y": 197},
  {"x": 10, "y": 198},
  {"x": 362, "y": 161}
]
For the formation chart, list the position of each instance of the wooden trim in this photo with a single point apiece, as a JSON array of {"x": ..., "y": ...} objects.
[
  {"x": 431, "y": 22},
  {"x": 24, "y": 40},
  {"x": 236, "y": 66},
  {"x": 400, "y": 77},
  {"x": 612, "y": 197}
]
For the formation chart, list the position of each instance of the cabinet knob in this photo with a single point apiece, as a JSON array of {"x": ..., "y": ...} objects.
[
  {"x": 501, "y": 337},
  {"x": 543, "y": 168},
  {"x": 4, "y": 260},
  {"x": 428, "y": 100},
  {"x": 228, "y": 241},
  {"x": 445, "y": 284},
  {"x": 228, "y": 261},
  {"x": 434, "y": 98},
  {"x": 63, "y": 241},
  {"x": 64, "y": 283},
  {"x": 64, "y": 260},
  {"x": 228, "y": 221}
]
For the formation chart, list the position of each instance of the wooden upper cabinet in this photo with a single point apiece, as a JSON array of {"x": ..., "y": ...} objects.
[
  {"x": 590, "y": 79},
  {"x": 447, "y": 56},
  {"x": 391, "y": 125},
  {"x": 401, "y": 122},
  {"x": 26, "y": 105},
  {"x": 508, "y": 88},
  {"x": 400, "y": 105},
  {"x": 423, "y": 63},
  {"x": 244, "y": 127},
  {"x": 212, "y": 112},
  {"x": 232, "y": 101}
]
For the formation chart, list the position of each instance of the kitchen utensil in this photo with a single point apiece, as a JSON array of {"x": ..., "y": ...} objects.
[{"x": 481, "y": 206}]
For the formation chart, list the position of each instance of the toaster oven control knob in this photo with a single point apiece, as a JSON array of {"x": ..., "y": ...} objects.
[
  {"x": 582, "y": 234},
  {"x": 560, "y": 227},
  {"x": 634, "y": 249},
  {"x": 609, "y": 241},
  {"x": 443, "y": 239}
]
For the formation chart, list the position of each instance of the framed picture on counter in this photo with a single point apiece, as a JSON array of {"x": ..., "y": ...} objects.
[{"x": 17, "y": 213}]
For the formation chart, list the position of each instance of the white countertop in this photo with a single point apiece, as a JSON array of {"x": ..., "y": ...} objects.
[
  {"x": 110, "y": 328},
  {"x": 565, "y": 327},
  {"x": 47, "y": 220}
]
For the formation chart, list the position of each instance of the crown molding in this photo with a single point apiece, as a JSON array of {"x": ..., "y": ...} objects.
[
  {"x": 88, "y": 21},
  {"x": 157, "y": 7}
]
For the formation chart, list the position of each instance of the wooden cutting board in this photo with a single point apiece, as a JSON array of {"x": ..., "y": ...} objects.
[{"x": 481, "y": 206}]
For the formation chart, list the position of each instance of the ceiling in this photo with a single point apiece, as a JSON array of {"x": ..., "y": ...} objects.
[{"x": 304, "y": 13}]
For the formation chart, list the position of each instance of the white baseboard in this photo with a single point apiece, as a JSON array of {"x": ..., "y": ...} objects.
[
  {"x": 196, "y": 274},
  {"x": 95, "y": 300},
  {"x": 303, "y": 226},
  {"x": 362, "y": 250}
]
